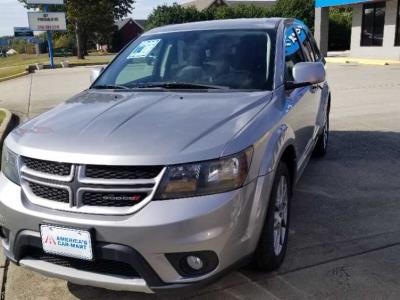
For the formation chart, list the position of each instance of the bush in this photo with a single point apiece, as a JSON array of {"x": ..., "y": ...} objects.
[
  {"x": 239, "y": 11},
  {"x": 339, "y": 28},
  {"x": 22, "y": 46},
  {"x": 174, "y": 14},
  {"x": 297, "y": 9},
  {"x": 64, "y": 41}
]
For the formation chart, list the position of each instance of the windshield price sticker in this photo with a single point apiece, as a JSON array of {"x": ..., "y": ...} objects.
[{"x": 144, "y": 49}]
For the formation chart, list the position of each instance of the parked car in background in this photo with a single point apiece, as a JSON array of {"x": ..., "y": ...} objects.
[{"x": 178, "y": 164}]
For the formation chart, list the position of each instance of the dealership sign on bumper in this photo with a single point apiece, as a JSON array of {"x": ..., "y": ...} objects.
[{"x": 43, "y": 21}]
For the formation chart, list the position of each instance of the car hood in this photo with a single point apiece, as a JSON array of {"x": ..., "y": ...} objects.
[{"x": 149, "y": 127}]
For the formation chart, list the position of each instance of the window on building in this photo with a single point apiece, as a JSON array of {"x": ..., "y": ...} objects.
[
  {"x": 397, "y": 38},
  {"x": 373, "y": 23}
]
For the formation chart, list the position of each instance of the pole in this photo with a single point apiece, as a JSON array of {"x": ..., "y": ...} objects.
[{"x": 49, "y": 41}]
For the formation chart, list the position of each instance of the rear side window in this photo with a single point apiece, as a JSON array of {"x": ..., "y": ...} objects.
[{"x": 293, "y": 53}]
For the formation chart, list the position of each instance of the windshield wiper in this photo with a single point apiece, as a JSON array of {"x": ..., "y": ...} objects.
[
  {"x": 110, "y": 87},
  {"x": 180, "y": 85}
]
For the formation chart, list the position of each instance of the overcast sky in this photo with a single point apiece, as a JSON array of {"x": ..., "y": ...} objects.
[{"x": 13, "y": 13}]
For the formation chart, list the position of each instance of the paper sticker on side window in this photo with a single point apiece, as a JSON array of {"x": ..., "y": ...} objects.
[{"x": 143, "y": 49}]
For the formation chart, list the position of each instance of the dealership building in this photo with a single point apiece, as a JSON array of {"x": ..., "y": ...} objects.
[{"x": 375, "y": 28}]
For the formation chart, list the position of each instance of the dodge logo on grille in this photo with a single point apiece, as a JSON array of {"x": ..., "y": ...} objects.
[{"x": 122, "y": 198}]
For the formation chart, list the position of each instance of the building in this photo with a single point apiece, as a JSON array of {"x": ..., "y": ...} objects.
[
  {"x": 375, "y": 27},
  {"x": 205, "y": 4},
  {"x": 127, "y": 30}
]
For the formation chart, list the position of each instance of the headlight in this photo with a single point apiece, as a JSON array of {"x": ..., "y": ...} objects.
[
  {"x": 204, "y": 178},
  {"x": 9, "y": 165}
]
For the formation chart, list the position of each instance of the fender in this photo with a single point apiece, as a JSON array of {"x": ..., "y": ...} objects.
[
  {"x": 277, "y": 142},
  {"x": 281, "y": 138}
]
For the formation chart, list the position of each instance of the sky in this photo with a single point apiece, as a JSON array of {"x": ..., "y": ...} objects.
[{"x": 13, "y": 14}]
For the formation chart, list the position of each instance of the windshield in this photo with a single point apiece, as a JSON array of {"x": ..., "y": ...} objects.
[{"x": 212, "y": 59}]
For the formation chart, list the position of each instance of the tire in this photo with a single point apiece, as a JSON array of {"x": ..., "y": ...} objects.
[
  {"x": 321, "y": 148},
  {"x": 272, "y": 245}
]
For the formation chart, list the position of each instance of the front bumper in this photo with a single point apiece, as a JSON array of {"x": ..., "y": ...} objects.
[{"x": 226, "y": 224}]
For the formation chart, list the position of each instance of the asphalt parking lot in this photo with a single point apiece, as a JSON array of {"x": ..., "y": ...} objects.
[{"x": 345, "y": 231}]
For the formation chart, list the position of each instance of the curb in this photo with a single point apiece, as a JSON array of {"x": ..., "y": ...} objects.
[
  {"x": 361, "y": 61},
  {"x": 14, "y": 76},
  {"x": 71, "y": 65},
  {"x": 7, "y": 124}
]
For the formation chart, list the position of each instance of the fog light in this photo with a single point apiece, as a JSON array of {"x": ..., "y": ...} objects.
[{"x": 194, "y": 262}]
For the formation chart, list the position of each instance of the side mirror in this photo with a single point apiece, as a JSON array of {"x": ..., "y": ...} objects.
[
  {"x": 307, "y": 73},
  {"x": 95, "y": 74},
  {"x": 150, "y": 59}
]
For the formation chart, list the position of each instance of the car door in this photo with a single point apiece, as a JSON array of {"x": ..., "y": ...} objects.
[
  {"x": 301, "y": 102},
  {"x": 313, "y": 56}
]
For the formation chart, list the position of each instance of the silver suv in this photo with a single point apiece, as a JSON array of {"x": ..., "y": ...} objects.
[{"x": 176, "y": 165}]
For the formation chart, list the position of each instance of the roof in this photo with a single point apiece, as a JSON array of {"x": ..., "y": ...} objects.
[
  {"x": 140, "y": 22},
  {"x": 250, "y": 2},
  {"x": 205, "y": 4},
  {"x": 121, "y": 23},
  {"x": 254, "y": 23}
]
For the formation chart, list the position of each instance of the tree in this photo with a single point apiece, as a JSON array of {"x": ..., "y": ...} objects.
[
  {"x": 176, "y": 14},
  {"x": 298, "y": 9},
  {"x": 173, "y": 14},
  {"x": 339, "y": 29},
  {"x": 240, "y": 11},
  {"x": 92, "y": 20}
]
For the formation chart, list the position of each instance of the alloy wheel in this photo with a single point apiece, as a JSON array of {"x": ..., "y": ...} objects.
[{"x": 280, "y": 215}]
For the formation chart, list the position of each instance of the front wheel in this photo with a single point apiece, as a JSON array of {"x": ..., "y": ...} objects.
[{"x": 272, "y": 245}]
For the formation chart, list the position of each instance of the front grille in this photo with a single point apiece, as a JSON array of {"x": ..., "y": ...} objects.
[
  {"x": 49, "y": 193},
  {"x": 112, "y": 199},
  {"x": 122, "y": 172},
  {"x": 91, "y": 189},
  {"x": 101, "y": 266},
  {"x": 49, "y": 167}
]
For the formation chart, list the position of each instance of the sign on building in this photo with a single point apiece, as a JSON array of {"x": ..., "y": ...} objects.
[
  {"x": 23, "y": 32},
  {"x": 55, "y": 2},
  {"x": 326, "y": 3},
  {"x": 45, "y": 21}
]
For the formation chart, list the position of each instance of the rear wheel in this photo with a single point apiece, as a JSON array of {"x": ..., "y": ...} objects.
[{"x": 272, "y": 245}]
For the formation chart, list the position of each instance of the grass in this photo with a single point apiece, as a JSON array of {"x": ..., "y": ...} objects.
[
  {"x": 11, "y": 71},
  {"x": 22, "y": 60},
  {"x": 15, "y": 64},
  {"x": 29, "y": 59}
]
